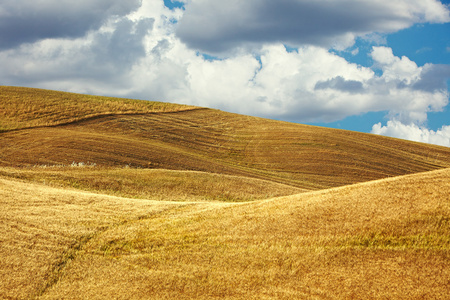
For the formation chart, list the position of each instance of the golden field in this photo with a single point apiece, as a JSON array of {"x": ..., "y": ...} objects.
[{"x": 109, "y": 198}]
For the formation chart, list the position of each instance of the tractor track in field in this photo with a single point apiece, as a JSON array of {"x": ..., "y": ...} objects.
[
  {"x": 96, "y": 117},
  {"x": 72, "y": 252}
]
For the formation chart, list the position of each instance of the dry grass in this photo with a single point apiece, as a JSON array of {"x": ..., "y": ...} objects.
[
  {"x": 383, "y": 239},
  {"x": 204, "y": 140},
  {"x": 27, "y": 107},
  {"x": 155, "y": 184},
  {"x": 42, "y": 229},
  {"x": 299, "y": 246}
]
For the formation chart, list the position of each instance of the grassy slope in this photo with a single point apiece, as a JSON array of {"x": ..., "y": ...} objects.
[
  {"x": 27, "y": 107},
  {"x": 387, "y": 238},
  {"x": 383, "y": 239},
  {"x": 43, "y": 228},
  {"x": 156, "y": 184},
  {"x": 186, "y": 138}
]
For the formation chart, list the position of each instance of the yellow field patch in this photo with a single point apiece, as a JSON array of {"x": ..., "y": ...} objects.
[
  {"x": 155, "y": 184},
  {"x": 388, "y": 238}
]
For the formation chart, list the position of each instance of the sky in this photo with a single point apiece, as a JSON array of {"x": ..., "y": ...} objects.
[{"x": 381, "y": 67}]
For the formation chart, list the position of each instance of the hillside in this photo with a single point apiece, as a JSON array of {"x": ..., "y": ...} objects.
[
  {"x": 109, "y": 132},
  {"x": 26, "y": 107},
  {"x": 105, "y": 198},
  {"x": 382, "y": 239}
]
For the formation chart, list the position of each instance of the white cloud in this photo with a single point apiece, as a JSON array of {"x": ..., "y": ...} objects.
[
  {"x": 414, "y": 132},
  {"x": 309, "y": 85},
  {"x": 395, "y": 68}
]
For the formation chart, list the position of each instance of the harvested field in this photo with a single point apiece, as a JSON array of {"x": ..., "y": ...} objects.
[{"x": 116, "y": 198}]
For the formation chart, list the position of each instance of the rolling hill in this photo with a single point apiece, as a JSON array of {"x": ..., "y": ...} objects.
[
  {"x": 143, "y": 134},
  {"x": 381, "y": 239},
  {"x": 115, "y": 198}
]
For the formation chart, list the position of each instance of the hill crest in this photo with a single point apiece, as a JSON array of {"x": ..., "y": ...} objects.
[{"x": 142, "y": 134}]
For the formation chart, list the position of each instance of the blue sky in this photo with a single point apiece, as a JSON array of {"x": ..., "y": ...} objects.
[
  {"x": 424, "y": 43},
  {"x": 381, "y": 67},
  {"x": 173, "y": 4}
]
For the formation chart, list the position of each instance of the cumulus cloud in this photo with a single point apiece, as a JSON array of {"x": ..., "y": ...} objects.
[
  {"x": 30, "y": 21},
  {"x": 407, "y": 88},
  {"x": 414, "y": 132},
  {"x": 215, "y": 27},
  {"x": 94, "y": 62},
  {"x": 305, "y": 86}
]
